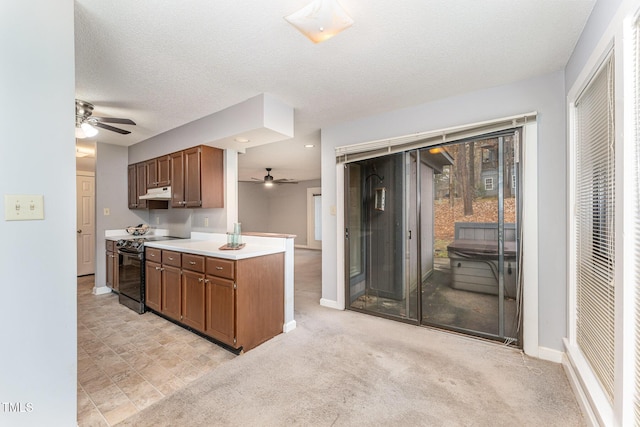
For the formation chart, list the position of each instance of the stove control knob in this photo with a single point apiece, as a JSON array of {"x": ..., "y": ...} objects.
[{"x": 120, "y": 242}]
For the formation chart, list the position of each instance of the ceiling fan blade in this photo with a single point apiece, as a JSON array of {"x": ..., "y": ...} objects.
[
  {"x": 114, "y": 120},
  {"x": 258, "y": 179},
  {"x": 284, "y": 181},
  {"x": 111, "y": 128}
]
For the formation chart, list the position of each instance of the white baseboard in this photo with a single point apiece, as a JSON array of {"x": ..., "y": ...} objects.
[
  {"x": 289, "y": 326},
  {"x": 550, "y": 354},
  {"x": 329, "y": 303},
  {"x": 101, "y": 290}
]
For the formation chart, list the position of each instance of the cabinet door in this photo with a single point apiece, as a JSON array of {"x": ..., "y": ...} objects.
[
  {"x": 177, "y": 180},
  {"x": 192, "y": 189},
  {"x": 141, "y": 178},
  {"x": 110, "y": 270},
  {"x": 163, "y": 173},
  {"x": 171, "y": 290},
  {"x": 153, "y": 285},
  {"x": 133, "y": 186},
  {"x": 220, "y": 309},
  {"x": 193, "y": 296},
  {"x": 116, "y": 281},
  {"x": 152, "y": 173}
]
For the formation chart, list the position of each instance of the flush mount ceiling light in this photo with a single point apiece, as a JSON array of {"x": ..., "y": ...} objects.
[{"x": 320, "y": 20}]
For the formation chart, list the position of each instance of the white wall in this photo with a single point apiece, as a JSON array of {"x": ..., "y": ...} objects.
[
  {"x": 545, "y": 95},
  {"x": 38, "y": 263},
  {"x": 276, "y": 209},
  {"x": 253, "y": 207},
  {"x": 112, "y": 193}
]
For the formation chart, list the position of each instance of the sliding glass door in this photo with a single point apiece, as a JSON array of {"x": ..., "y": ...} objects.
[
  {"x": 378, "y": 240},
  {"x": 432, "y": 236}
]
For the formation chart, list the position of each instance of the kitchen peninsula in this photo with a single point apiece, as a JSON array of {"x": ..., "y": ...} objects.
[{"x": 240, "y": 298}]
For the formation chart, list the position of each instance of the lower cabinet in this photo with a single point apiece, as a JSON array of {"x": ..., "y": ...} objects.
[
  {"x": 171, "y": 292},
  {"x": 112, "y": 265},
  {"x": 193, "y": 300},
  {"x": 153, "y": 288},
  {"x": 220, "y": 309},
  {"x": 238, "y": 303}
]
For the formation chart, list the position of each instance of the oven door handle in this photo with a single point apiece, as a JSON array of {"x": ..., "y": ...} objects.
[{"x": 130, "y": 254}]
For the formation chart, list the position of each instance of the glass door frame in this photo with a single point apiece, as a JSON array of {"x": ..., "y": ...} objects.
[{"x": 518, "y": 132}]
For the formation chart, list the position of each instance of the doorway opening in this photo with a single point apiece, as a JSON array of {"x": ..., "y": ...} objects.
[{"x": 432, "y": 236}]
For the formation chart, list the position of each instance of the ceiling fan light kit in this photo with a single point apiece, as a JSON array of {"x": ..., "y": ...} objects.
[
  {"x": 268, "y": 180},
  {"x": 320, "y": 20},
  {"x": 86, "y": 124}
]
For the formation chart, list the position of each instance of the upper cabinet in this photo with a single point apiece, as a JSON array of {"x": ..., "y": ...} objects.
[
  {"x": 137, "y": 179},
  {"x": 197, "y": 178},
  {"x": 158, "y": 173}
]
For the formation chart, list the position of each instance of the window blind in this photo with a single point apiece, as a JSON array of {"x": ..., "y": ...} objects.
[
  {"x": 594, "y": 225},
  {"x": 382, "y": 147},
  {"x": 635, "y": 190}
]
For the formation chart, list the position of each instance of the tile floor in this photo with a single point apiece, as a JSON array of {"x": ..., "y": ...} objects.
[{"x": 128, "y": 361}]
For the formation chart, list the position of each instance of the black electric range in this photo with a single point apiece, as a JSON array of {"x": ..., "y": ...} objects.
[{"x": 131, "y": 278}]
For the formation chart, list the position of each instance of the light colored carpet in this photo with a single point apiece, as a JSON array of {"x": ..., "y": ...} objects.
[{"x": 344, "y": 368}]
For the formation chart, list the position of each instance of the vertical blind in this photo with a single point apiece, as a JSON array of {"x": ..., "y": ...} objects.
[
  {"x": 635, "y": 188},
  {"x": 594, "y": 222}
]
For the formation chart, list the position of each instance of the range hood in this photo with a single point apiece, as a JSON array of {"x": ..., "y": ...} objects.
[{"x": 162, "y": 193}]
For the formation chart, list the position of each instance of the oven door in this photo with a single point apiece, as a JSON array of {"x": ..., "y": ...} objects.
[{"x": 131, "y": 280}]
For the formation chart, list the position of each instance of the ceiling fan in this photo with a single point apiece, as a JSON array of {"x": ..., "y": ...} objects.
[
  {"x": 86, "y": 124},
  {"x": 269, "y": 181}
]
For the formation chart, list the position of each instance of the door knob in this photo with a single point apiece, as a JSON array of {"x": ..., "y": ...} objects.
[{"x": 79, "y": 231}]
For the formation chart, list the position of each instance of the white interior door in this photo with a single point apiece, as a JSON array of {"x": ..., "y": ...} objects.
[
  {"x": 86, "y": 239},
  {"x": 314, "y": 218}
]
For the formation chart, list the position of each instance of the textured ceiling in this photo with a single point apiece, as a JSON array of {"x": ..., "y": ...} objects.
[{"x": 167, "y": 63}]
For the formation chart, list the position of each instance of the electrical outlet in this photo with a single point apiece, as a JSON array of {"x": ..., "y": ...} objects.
[
  {"x": 23, "y": 207},
  {"x": 206, "y": 221},
  {"x": 107, "y": 212}
]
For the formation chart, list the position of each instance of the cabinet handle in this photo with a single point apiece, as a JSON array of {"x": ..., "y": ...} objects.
[
  {"x": 200, "y": 279},
  {"x": 152, "y": 255},
  {"x": 219, "y": 268},
  {"x": 170, "y": 258},
  {"x": 207, "y": 281},
  {"x": 192, "y": 262}
]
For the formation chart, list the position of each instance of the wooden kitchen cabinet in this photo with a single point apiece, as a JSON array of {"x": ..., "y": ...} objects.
[
  {"x": 141, "y": 184},
  {"x": 220, "y": 309},
  {"x": 237, "y": 303},
  {"x": 193, "y": 300},
  {"x": 197, "y": 178},
  {"x": 137, "y": 186},
  {"x": 112, "y": 265},
  {"x": 158, "y": 172},
  {"x": 171, "y": 291},
  {"x": 245, "y": 299},
  {"x": 153, "y": 285},
  {"x": 176, "y": 169},
  {"x": 137, "y": 181}
]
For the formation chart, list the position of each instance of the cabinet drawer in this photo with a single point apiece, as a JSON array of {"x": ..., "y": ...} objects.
[
  {"x": 153, "y": 254},
  {"x": 221, "y": 267},
  {"x": 110, "y": 245},
  {"x": 193, "y": 262},
  {"x": 171, "y": 258}
]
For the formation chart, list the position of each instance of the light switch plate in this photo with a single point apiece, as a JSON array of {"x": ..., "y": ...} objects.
[{"x": 23, "y": 207}]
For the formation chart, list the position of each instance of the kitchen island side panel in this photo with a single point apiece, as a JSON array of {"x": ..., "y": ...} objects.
[{"x": 260, "y": 299}]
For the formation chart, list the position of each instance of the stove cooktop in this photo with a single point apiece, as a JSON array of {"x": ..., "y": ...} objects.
[{"x": 136, "y": 244}]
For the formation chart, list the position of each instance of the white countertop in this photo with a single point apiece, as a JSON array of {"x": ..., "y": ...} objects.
[{"x": 211, "y": 248}]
